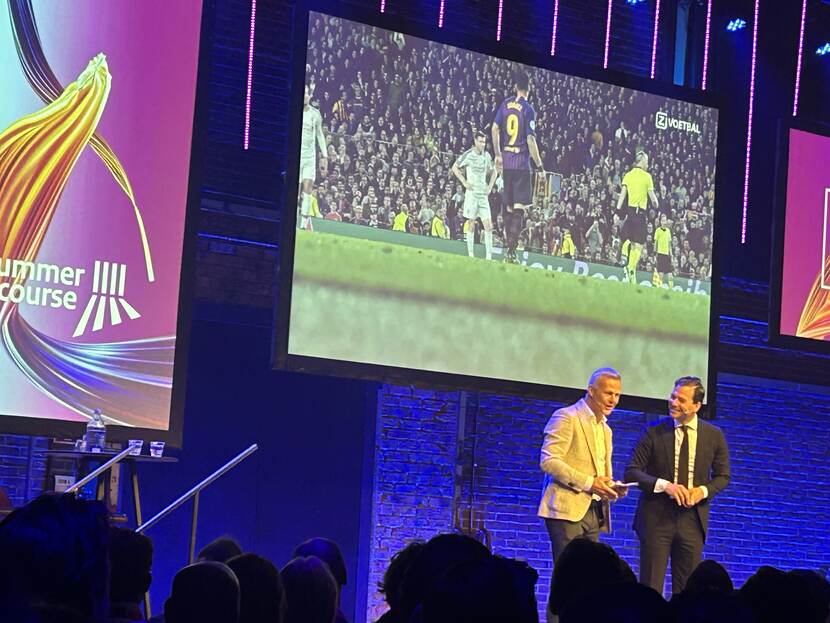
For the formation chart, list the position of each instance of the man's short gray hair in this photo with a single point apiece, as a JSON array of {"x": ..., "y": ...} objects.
[{"x": 599, "y": 373}]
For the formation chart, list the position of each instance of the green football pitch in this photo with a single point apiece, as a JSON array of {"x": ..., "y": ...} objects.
[{"x": 375, "y": 302}]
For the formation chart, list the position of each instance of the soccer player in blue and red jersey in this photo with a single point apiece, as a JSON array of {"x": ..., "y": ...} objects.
[{"x": 515, "y": 128}]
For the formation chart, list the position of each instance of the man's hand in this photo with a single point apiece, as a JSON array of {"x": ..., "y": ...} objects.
[
  {"x": 620, "y": 491},
  {"x": 499, "y": 162},
  {"x": 678, "y": 493},
  {"x": 601, "y": 488},
  {"x": 324, "y": 166},
  {"x": 695, "y": 496}
]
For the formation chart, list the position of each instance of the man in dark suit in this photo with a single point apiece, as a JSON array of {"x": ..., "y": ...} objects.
[{"x": 680, "y": 463}]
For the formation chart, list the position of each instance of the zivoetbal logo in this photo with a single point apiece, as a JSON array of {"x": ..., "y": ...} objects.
[
  {"x": 662, "y": 121},
  {"x": 50, "y": 285}
]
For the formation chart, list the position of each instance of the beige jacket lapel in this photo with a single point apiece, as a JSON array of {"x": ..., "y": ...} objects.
[{"x": 585, "y": 415}]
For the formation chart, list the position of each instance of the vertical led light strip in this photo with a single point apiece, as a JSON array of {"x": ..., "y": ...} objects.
[
  {"x": 654, "y": 39},
  {"x": 498, "y": 23},
  {"x": 383, "y": 6},
  {"x": 607, "y": 35},
  {"x": 800, "y": 52},
  {"x": 247, "y": 133},
  {"x": 553, "y": 31},
  {"x": 706, "y": 43},
  {"x": 749, "y": 120},
  {"x": 441, "y": 15}
]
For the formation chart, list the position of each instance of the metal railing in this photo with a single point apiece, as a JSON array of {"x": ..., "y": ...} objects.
[
  {"x": 99, "y": 470},
  {"x": 194, "y": 493}
]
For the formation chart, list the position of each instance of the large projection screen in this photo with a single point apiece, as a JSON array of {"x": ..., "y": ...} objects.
[
  {"x": 95, "y": 150},
  {"x": 381, "y": 275},
  {"x": 801, "y": 265}
]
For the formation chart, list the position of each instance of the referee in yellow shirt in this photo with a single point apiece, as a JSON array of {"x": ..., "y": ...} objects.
[
  {"x": 662, "y": 247},
  {"x": 637, "y": 188}
]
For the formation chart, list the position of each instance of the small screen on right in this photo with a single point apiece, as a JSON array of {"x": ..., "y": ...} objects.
[{"x": 805, "y": 281}]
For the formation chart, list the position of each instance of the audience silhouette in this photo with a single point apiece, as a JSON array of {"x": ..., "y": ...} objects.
[{"x": 60, "y": 562}]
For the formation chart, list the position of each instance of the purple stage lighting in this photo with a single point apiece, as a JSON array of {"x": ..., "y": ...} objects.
[
  {"x": 800, "y": 53},
  {"x": 654, "y": 39},
  {"x": 247, "y": 132},
  {"x": 607, "y": 35},
  {"x": 749, "y": 121},
  {"x": 555, "y": 22},
  {"x": 706, "y": 43}
]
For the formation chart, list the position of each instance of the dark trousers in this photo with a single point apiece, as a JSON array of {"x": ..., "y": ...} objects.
[
  {"x": 678, "y": 535},
  {"x": 562, "y": 532}
]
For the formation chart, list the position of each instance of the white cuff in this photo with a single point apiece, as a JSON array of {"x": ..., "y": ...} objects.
[
  {"x": 705, "y": 491},
  {"x": 660, "y": 485},
  {"x": 588, "y": 484}
]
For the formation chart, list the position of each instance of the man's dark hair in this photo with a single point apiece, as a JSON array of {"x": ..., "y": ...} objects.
[
  {"x": 131, "y": 561},
  {"x": 774, "y": 595},
  {"x": 628, "y": 602},
  {"x": 481, "y": 133},
  {"x": 392, "y": 582},
  {"x": 585, "y": 564},
  {"x": 206, "y": 591},
  {"x": 492, "y": 589},
  {"x": 54, "y": 553},
  {"x": 261, "y": 593},
  {"x": 221, "y": 549},
  {"x": 709, "y": 576},
  {"x": 695, "y": 383},
  {"x": 327, "y": 551},
  {"x": 439, "y": 554},
  {"x": 311, "y": 591},
  {"x": 521, "y": 80}
]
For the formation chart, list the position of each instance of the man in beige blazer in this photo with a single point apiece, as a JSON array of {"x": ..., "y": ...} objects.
[{"x": 576, "y": 460}]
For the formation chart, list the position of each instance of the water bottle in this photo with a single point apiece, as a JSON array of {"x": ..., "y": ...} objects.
[{"x": 96, "y": 433}]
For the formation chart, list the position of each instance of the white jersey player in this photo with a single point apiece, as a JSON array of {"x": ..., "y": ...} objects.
[
  {"x": 312, "y": 138},
  {"x": 478, "y": 165}
]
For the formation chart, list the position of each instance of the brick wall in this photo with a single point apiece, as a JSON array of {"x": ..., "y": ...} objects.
[
  {"x": 778, "y": 436},
  {"x": 22, "y": 467}
]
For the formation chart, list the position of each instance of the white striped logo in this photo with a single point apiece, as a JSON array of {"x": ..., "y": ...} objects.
[{"x": 108, "y": 279}]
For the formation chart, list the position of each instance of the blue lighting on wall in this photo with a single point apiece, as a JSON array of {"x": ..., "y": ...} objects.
[
  {"x": 823, "y": 50},
  {"x": 634, "y": 2},
  {"x": 736, "y": 24}
]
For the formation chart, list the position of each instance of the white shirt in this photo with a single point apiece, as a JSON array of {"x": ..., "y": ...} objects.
[
  {"x": 598, "y": 428},
  {"x": 691, "y": 432},
  {"x": 478, "y": 165},
  {"x": 312, "y": 132}
]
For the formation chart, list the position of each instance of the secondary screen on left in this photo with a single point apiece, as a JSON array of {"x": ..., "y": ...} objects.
[{"x": 95, "y": 131}]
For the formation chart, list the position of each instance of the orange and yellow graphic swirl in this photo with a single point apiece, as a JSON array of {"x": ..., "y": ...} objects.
[
  {"x": 37, "y": 155},
  {"x": 47, "y": 87},
  {"x": 815, "y": 317}
]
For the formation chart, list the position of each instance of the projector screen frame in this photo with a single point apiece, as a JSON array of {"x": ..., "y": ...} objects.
[
  {"x": 50, "y": 427},
  {"x": 282, "y": 360},
  {"x": 779, "y": 223}
]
